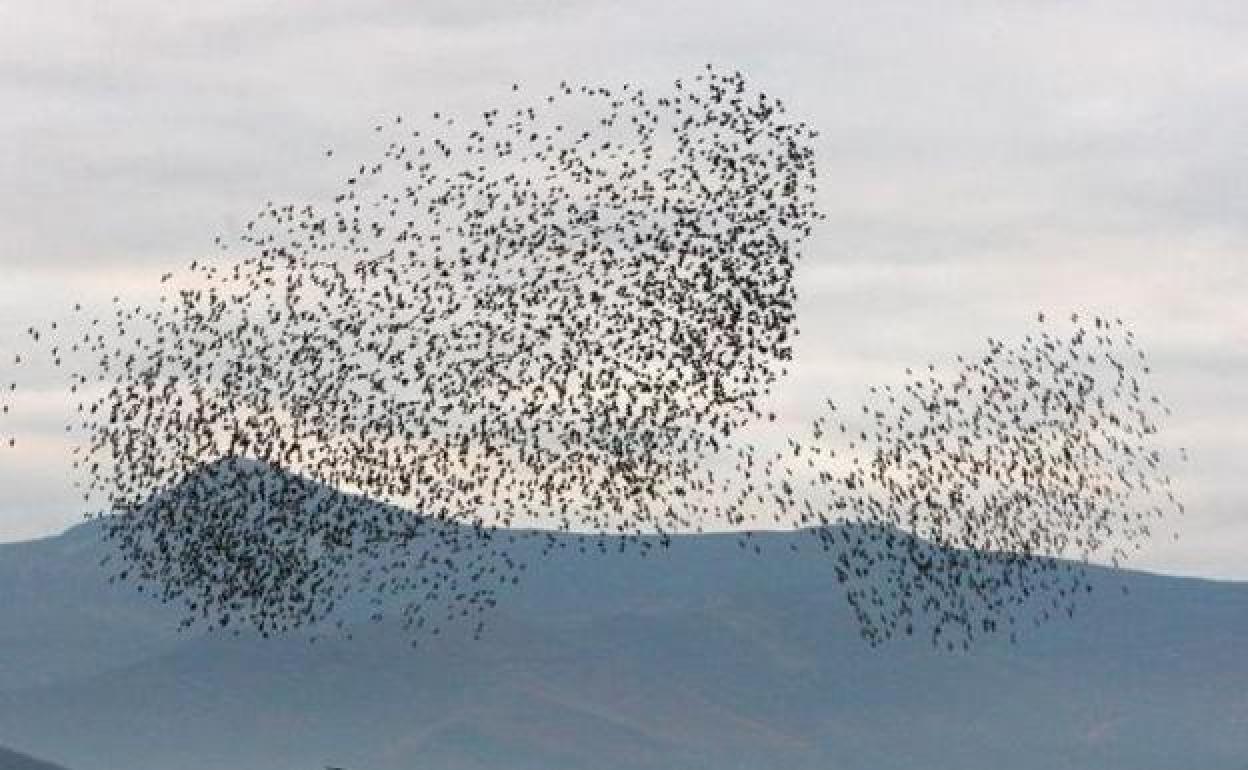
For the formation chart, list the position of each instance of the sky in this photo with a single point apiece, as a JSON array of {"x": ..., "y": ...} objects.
[{"x": 979, "y": 161}]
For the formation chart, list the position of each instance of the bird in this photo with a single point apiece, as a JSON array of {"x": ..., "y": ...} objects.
[{"x": 570, "y": 314}]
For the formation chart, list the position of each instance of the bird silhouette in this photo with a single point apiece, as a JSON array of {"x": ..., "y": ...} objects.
[{"x": 566, "y": 314}]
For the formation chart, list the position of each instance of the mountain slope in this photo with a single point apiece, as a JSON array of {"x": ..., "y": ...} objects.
[
  {"x": 701, "y": 656},
  {"x": 15, "y": 760}
]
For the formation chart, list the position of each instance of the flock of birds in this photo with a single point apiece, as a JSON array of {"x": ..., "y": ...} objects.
[{"x": 565, "y": 315}]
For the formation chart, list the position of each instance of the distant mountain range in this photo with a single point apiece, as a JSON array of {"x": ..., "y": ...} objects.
[{"x": 701, "y": 656}]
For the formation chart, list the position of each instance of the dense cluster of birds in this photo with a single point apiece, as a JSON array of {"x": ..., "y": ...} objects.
[
  {"x": 565, "y": 315},
  {"x": 971, "y": 485}
]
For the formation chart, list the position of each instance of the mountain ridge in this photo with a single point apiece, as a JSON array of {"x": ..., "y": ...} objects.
[{"x": 699, "y": 655}]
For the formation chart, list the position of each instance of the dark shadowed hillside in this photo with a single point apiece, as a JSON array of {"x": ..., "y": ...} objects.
[{"x": 15, "y": 760}]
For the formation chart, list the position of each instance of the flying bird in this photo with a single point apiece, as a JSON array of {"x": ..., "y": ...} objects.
[{"x": 567, "y": 314}]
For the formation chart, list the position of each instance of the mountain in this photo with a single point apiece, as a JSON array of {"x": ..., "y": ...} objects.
[
  {"x": 700, "y": 656},
  {"x": 15, "y": 760}
]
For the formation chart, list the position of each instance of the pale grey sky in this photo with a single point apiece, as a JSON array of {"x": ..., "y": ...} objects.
[{"x": 978, "y": 161}]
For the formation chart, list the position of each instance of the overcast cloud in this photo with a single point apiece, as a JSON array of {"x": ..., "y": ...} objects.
[{"x": 978, "y": 161}]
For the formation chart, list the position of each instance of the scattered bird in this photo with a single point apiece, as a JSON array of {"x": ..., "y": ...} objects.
[{"x": 570, "y": 312}]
